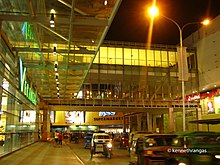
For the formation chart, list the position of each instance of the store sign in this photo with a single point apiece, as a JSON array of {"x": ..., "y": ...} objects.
[
  {"x": 28, "y": 116},
  {"x": 26, "y": 31},
  {"x": 210, "y": 107},
  {"x": 103, "y": 114},
  {"x": 74, "y": 117},
  {"x": 107, "y": 118},
  {"x": 195, "y": 97},
  {"x": 25, "y": 87}
]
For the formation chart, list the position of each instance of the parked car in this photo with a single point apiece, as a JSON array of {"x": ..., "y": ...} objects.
[
  {"x": 163, "y": 149},
  {"x": 133, "y": 137},
  {"x": 203, "y": 147}
]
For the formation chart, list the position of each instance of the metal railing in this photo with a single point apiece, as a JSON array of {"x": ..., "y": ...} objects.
[{"x": 124, "y": 103}]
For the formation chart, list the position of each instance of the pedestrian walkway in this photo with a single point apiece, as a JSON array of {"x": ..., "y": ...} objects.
[{"x": 42, "y": 153}]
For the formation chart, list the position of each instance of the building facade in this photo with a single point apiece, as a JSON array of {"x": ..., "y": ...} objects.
[
  {"x": 206, "y": 41},
  {"x": 124, "y": 73}
]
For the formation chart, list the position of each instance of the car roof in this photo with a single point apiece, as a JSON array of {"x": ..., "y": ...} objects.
[
  {"x": 159, "y": 135},
  {"x": 200, "y": 133},
  {"x": 103, "y": 134},
  {"x": 136, "y": 136}
]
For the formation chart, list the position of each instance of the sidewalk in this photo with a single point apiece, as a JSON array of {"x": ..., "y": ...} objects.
[{"x": 42, "y": 153}]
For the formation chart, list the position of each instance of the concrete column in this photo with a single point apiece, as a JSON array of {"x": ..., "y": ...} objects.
[
  {"x": 171, "y": 120},
  {"x": 144, "y": 122},
  {"x": 149, "y": 122},
  {"x": 154, "y": 122},
  {"x": 46, "y": 123},
  {"x": 139, "y": 121},
  {"x": 161, "y": 123}
]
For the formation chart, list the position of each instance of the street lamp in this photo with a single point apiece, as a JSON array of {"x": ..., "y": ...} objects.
[{"x": 153, "y": 11}]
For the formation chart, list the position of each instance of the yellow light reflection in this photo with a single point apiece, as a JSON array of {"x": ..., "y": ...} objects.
[
  {"x": 153, "y": 11},
  {"x": 206, "y": 22}
]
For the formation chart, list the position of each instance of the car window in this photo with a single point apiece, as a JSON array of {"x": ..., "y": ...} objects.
[
  {"x": 162, "y": 141},
  {"x": 102, "y": 137},
  {"x": 204, "y": 140}
]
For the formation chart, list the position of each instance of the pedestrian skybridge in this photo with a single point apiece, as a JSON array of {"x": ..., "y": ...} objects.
[{"x": 121, "y": 105}]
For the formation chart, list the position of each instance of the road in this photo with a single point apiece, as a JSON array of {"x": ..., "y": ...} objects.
[{"x": 119, "y": 156}]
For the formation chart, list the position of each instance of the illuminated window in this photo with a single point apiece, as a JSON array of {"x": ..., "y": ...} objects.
[
  {"x": 103, "y": 55},
  {"x": 119, "y": 56},
  {"x": 157, "y": 58},
  {"x": 150, "y": 58},
  {"x": 96, "y": 60},
  {"x": 87, "y": 58},
  {"x": 142, "y": 57},
  {"x": 172, "y": 58},
  {"x": 134, "y": 58},
  {"x": 111, "y": 55},
  {"x": 164, "y": 59},
  {"x": 127, "y": 56}
]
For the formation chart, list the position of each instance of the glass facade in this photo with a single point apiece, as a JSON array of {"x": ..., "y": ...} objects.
[
  {"x": 125, "y": 70},
  {"x": 19, "y": 121}
]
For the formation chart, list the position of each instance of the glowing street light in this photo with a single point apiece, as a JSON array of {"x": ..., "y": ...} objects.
[{"x": 154, "y": 11}]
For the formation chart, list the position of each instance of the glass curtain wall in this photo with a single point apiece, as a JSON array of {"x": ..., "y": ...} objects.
[
  {"x": 18, "y": 116},
  {"x": 130, "y": 70}
]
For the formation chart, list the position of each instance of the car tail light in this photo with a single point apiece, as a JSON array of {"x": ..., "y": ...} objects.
[{"x": 148, "y": 152}]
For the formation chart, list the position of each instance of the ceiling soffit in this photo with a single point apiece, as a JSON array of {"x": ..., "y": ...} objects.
[{"x": 80, "y": 28}]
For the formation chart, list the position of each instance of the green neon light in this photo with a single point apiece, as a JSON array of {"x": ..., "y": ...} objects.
[
  {"x": 31, "y": 95},
  {"x": 25, "y": 87},
  {"x": 22, "y": 80},
  {"x": 26, "y": 31}
]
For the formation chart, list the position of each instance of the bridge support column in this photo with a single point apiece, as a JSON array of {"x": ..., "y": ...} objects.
[
  {"x": 144, "y": 120},
  {"x": 46, "y": 123},
  {"x": 160, "y": 123},
  {"x": 171, "y": 120},
  {"x": 149, "y": 122},
  {"x": 154, "y": 122},
  {"x": 139, "y": 122}
]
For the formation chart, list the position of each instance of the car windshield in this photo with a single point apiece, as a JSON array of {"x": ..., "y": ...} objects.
[
  {"x": 204, "y": 139},
  {"x": 162, "y": 141},
  {"x": 102, "y": 137}
]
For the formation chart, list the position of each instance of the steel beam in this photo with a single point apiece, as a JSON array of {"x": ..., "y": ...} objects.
[
  {"x": 27, "y": 49},
  {"x": 84, "y": 21}
]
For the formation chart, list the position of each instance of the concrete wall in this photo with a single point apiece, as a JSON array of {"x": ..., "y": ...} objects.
[{"x": 207, "y": 42}]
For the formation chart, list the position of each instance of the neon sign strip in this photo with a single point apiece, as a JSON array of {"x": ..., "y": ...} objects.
[{"x": 25, "y": 87}]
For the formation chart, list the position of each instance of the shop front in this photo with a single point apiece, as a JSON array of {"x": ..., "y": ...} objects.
[{"x": 19, "y": 117}]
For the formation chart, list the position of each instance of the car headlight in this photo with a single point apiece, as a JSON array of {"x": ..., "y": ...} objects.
[
  {"x": 109, "y": 145},
  {"x": 217, "y": 156},
  {"x": 181, "y": 163}
]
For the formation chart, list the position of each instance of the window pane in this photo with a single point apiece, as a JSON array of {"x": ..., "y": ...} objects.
[
  {"x": 96, "y": 60},
  {"x": 150, "y": 55},
  {"x": 157, "y": 58},
  {"x": 142, "y": 57},
  {"x": 103, "y": 55},
  {"x": 119, "y": 56},
  {"x": 134, "y": 57},
  {"x": 111, "y": 55},
  {"x": 127, "y": 56}
]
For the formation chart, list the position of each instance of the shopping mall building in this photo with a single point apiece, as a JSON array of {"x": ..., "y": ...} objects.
[{"x": 129, "y": 86}]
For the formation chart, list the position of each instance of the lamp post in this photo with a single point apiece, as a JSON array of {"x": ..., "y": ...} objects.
[{"x": 153, "y": 11}]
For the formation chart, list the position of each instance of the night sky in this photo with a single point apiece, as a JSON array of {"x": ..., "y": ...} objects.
[{"x": 132, "y": 24}]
